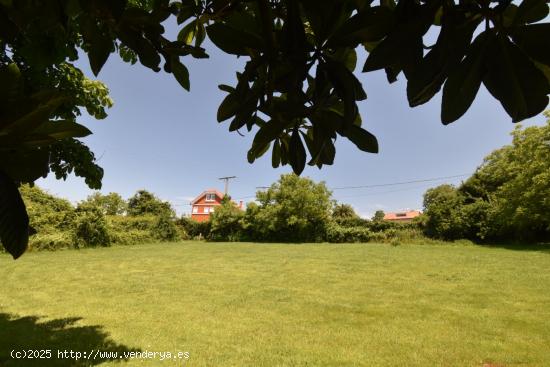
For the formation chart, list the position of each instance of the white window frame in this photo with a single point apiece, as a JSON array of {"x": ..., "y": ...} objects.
[{"x": 212, "y": 195}]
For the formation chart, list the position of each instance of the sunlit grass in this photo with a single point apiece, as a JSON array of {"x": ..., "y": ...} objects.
[{"x": 282, "y": 305}]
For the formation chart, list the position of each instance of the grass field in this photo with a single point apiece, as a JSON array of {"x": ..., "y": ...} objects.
[{"x": 280, "y": 305}]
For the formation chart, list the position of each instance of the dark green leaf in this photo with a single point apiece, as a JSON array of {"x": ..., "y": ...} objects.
[
  {"x": 452, "y": 43},
  {"x": 534, "y": 40},
  {"x": 187, "y": 10},
  {"x": 461, "y": 88},
  {"x": 531, "y": 11},
  {"x": 229, "y": 107},
  {"x": 373, "y": 24},
  {"x": 392, "y": 72},
  {"x": 14, "y": 221},
  {"x": 147, "y": 53},
  {"x": 348, "y": 88},
  {"x": 233, "y": 40},
  {"x": 267, "y": 133},
  {"x": 33, "y": 119},
  {"x": 325, "y": 16},
  {"x": 346, "y": 56},
  {"x": 226, "y": 88},
  {"x": 187, "y": 34},
  {"x": 276, "y": 154},
  {"x": 25, "y": 165},
  {"x": 545, "y": 69},
  {"x": 361, "y": 138},
  {"x": 403, "y": 46},
  {"x": 10, "y": 84},
  {"x": 99, "y": 52},
  {"x": 297, "y": 152},
  {"x": 180, "y": 73},
  {"x": 200, "y": 34},
  {"x": 237, "y": 123},
  {"x": 62, "y": 129},
  {"x": 514, "y": 80}
]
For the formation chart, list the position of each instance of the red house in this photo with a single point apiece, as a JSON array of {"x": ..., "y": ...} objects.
[
  {"x": 402, "y": 217},
  {"x": 204, "y": 204}
]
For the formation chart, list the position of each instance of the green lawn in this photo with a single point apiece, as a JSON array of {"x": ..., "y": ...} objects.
[{"x": 281, "y": 305}]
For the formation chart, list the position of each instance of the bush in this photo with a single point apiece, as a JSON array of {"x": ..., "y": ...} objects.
[
  {"x": 127, "y": 230},
  {"x": 336, "y": 233},
  {"x": 165, "y": 229},
  {"x": 120, "y": 223},
  {"x": 144, "y": 202},
  {"x": 193, "y": 228},
  {"x": 47, "y": 214},
  {"x": 352, "y": 222},
  {"x": 51, "y": 241},
  {"x": 226, "y": 222},
  {"x": 90, "y": 228},
  {"x": 293, "y": 209},
  {"x": 131, "y": 237},
  {"x": 131, "y": 230}
]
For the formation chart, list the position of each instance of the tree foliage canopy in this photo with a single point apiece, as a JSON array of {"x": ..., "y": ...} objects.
[
  {"x": 110, "y": 204},
  {"x": 293, "y": 209},
  {"x": 508, "y": 197},
  {"x": 298, "y": 88},
  {"x": 144, "y": 202}
]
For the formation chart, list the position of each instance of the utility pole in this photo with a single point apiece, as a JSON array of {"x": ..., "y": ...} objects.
[{"x": 226, "y": 179}]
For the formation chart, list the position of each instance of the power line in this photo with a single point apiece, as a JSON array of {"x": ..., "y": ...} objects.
[
  {"x": 399, "y": 183},
  {"x": 377, "y": 185},
  {"x": 384, "y": 192}
]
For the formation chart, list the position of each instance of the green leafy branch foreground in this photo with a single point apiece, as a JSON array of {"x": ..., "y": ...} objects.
[
  {"x": 507, "y": 199},
  {"x": 298, "y": 88}
]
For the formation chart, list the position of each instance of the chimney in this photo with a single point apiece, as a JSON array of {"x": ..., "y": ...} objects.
[{"x": 240, "y": 204}]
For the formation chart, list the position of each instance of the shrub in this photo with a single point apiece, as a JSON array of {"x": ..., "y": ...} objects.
[
  {"x": 336, "y": 233},
  {"x": 193, "y": 228},
  {"x": 110, "y": 204},
  {"x": 90, "y": 228},
  {"x": 293, "y": 209},
  {"x": 47, "y": 213},
  {"x": 352, "y": 222},
  {"x": 51, "y": 241},
  {"x": 165, "y": 229},
  {"x": 126, "y": 223},
  {"x": 144, "y": 202},
  {"x": 226, "y": 222},
  {"x": 131, "y": 237},
  {"x": 395, "y": 242}
]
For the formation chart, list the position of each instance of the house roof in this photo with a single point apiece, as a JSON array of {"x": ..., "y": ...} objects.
[
  {"x": 408, "y": 214},
  {"x": 207, "y": 191}
]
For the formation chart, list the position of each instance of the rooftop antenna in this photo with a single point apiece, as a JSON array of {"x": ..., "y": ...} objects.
[{"x": 226, "y": 179}]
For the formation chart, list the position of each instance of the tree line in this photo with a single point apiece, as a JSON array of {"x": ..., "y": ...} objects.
[{"x": 506, "y": 199}]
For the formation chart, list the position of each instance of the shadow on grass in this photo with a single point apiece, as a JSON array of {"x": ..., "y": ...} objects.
[
  {"x": 538, "y": 247},
  {"x": 30, "y": 334}
]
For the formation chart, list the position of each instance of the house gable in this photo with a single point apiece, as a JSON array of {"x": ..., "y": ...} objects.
[{"x": 203, "y": 205}]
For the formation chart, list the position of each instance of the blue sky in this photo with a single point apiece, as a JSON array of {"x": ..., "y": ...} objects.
[{"x": 161, "y": 138}]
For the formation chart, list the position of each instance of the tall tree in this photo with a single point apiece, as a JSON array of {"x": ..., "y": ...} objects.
[
  {"x": 110, "y": 204},
  {"x": 506, "y": 198},
  {"x": 293, "y": 209},
  {"x": 298, "y": 88},
  {"x": 144, "y": 202}
]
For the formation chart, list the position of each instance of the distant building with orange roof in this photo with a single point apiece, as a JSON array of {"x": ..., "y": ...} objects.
[{"x": 402, "y": 217}]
